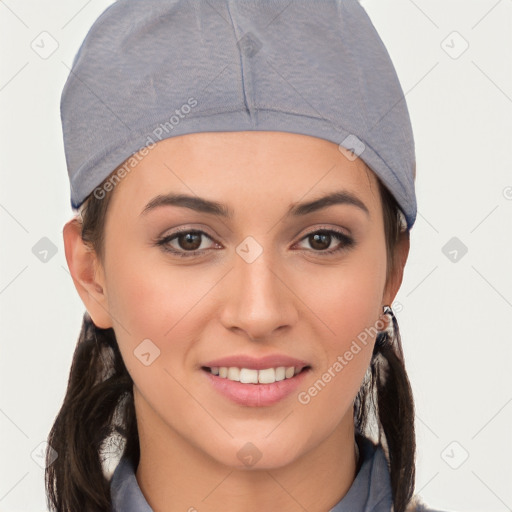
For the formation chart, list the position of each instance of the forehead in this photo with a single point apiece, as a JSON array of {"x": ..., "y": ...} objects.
[{"x": 244, "y": 166}]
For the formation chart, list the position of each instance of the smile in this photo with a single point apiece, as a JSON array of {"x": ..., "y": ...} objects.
[
  {"x": 251, "y": 376},
  {"x": 256, "y": 388}
]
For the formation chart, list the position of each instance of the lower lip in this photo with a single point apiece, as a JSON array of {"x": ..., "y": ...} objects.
[{"x": 256, "y": 395}]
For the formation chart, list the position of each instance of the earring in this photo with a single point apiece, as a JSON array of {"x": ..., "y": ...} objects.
[{"x": 386, "y": 336}]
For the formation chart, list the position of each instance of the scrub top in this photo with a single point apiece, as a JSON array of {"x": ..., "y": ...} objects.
[{"x": 370, "y": 491}]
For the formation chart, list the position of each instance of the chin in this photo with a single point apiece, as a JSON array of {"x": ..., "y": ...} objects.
[{"x": 258, "y": 454}]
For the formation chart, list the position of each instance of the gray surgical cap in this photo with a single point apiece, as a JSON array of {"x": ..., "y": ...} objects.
[{"x": 148, "y": 70}]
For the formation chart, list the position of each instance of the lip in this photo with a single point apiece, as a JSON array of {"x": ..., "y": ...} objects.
[
  {"x": 256, "y": 395},
  {"x": 257, "y": 363}
]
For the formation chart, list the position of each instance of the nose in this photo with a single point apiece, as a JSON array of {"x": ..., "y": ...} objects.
[{"x": 260, "y": 300}]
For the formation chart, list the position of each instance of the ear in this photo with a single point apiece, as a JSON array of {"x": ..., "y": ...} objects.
[
  {"x": 395, "y": 278},
  {"x": 87, "y": 274}
]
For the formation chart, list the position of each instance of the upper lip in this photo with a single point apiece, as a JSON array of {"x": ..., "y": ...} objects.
[{"x": 257, "y": 363}]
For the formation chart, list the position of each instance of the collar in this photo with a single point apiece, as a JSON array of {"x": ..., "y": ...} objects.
[{"x": 370, "y": 491}]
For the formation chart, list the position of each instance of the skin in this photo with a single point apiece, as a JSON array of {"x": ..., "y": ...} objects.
[{"x": 292, "y": 299}]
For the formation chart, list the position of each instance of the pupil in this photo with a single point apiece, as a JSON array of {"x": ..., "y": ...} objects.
[
  {"x": 189, "y": 239},
  {"x": 320, "y": 236}
]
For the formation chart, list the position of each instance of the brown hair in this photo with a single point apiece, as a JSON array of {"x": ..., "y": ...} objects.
[{"x": 98, "y": 405}]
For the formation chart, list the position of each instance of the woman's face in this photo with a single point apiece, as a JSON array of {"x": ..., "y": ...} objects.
[{"x": 254, "y": 282}]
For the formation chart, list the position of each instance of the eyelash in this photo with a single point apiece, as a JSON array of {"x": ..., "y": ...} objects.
[{"x": 346, "y": 242}]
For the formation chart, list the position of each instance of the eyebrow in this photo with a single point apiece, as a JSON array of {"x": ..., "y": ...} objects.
[{"x": 200, "y": 204}]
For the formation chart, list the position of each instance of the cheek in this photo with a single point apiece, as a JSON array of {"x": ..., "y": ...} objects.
[
  {"x": 347, "y": 301},
  {"x": 161, "y": 303},
  {"x": 347, "y": 298}
]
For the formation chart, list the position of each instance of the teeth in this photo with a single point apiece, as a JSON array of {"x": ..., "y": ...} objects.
[
  {"x": 289, "y": 372},
  {"x": 280, "y": 373},
  {"x": 234, "y": 373},
  {"x": 267, "y": 376},
  {"x": 249, "y": 376},
  {"x": 246, "y": 376}
]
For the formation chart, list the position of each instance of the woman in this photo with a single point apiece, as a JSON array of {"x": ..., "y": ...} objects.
[{"x": 243, "y": 175}]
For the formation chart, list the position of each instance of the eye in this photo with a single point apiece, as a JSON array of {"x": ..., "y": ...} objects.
[
  {"x": 187, "y": 242},
  {"x": 321, "y": 240}
]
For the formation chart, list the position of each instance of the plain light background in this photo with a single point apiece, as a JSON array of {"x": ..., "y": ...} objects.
[{"x": 454, "y": 60}]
